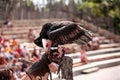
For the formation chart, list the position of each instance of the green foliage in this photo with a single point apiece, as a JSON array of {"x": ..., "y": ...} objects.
[
  {"x": 115, "y": 13},
  {"x": 117, "y": 24},
  {"x": 103, "y": 8},
  {"x": 28, "y": 3},
  {"x": 91, "y": 5},
  {"x": 36, "y": 7}
]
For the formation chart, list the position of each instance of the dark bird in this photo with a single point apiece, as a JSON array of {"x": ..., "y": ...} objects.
[
  {"x": 58, "y": 33},
  {"x": 63, "y": 32}
]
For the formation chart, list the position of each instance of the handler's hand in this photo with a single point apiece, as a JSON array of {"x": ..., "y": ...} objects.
[{"x": 53, "y": 67}]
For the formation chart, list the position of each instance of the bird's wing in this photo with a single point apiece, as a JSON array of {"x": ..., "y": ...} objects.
[
  {"x": 63, "y": 33},
  {"x": 69, "y": 33},
  {"x": 84, "y": 38}
]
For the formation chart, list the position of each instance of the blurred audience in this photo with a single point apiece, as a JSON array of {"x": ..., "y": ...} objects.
[
  {"x": 31, "y": 35},
  {"x": 83, "y": 55},
  {"x": 95, "y": 42},
  {"x": 13, "y": 42},
  {"x": 8, "y": 23},
  {"x": 11, "y": 51}
]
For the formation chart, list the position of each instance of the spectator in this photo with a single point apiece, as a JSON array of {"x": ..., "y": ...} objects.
[
  {"x": 34, "y": 55},
  {"x": 8, "y": 53},
  {"x": 18, "y": 71},
  {"x": 2, "y": 60},
  {"x": 95, "y": 42},
  {"x": 83, "y": 56},
  {"x": 4, "y": 72},
  {"x": 31, "y": 35},
  {"x": 18, "y": 51},
  {"x": 6, "y": 41},
  {"x": 1, "y": 39},
  {"x": 14, "y": 42},
  {"x": 8, "y": 22},
  {"x": 24, "y": 51}
]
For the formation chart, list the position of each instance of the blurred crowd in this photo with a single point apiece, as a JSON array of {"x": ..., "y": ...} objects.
[{"x": 10, "y": 52}]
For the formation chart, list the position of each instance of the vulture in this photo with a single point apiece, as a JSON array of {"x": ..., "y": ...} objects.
[
  {"x": 63, "y": 32},
  {"x": 59, "y": 33}
]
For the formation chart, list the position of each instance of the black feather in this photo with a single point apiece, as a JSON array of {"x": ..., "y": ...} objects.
[
  {"x": 63, "y": 32},
  {"x": 66, "y": 34},
  {"x": 43, "y": 34}
]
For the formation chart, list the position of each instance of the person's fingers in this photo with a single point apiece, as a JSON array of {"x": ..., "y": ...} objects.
[
  {"x": 53, "y": 68},
  {"x": 25, "y": 77}
]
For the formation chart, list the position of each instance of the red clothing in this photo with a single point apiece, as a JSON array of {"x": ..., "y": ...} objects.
[
  {"x": 83, "y": 56},
  {"x": 1, "y": 39},
  {"x": 19, "y": 51}
]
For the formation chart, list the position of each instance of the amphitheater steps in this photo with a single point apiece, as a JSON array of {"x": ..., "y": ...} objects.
[
  {"x": 96, "y": 52},
  {"x": 98, "y": 59}
]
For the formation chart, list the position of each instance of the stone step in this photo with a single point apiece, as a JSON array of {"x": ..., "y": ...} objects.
[
  {"x": 106, "y": 41},
  {"x": 95, "y": 52},
  {"x": 20, "y": 28},
  {"x": 95, "y": 65},
  {"x": 100, "y": 64},
  {"x": 99, "y": 57},
  {"x": 109, "y": 45},
  {"x": 22, "y": 40},
  {"x": 29, "y": 45},
  {"x": 18, "y": 32},
  {"x": 19, "y": 35},
  {"x": 90, "y": 70},
  {"x": 104, "y": 50}
]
